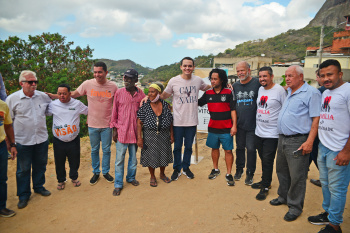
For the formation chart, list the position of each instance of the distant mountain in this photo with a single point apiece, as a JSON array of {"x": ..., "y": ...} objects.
[
  {"x": 331, "y": 13},
  {"x": 285, "y": 47},
  {"x": 121, "y": 66}
]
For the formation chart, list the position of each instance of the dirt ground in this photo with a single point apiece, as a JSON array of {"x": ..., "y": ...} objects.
[{"x": 198, "y": 205}]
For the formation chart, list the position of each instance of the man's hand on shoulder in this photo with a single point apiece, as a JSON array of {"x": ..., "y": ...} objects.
[
  {"x": 144, "y": 100},
  {"x": 52, "y": 96}
]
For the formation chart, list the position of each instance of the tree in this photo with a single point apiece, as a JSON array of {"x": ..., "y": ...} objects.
[{"x": 53, "y": 60}]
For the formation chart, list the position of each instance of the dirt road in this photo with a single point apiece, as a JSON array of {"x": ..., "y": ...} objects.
[{"x": 198, "y": 205}]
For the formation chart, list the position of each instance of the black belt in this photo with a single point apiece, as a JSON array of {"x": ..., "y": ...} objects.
[{"x": 294, "y": 135}]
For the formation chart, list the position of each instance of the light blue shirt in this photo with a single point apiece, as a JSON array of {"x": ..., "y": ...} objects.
[
  {"x": 298, "y": 110},
  {"x": 3, "y": 95},
  {"x": 29, "y": 116}
]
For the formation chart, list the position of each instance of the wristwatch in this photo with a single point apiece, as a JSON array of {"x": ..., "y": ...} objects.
[{"x": 13, "y": 144}]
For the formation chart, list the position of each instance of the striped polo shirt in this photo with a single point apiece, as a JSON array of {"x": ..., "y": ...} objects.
[{"x": 220, "y": 106}]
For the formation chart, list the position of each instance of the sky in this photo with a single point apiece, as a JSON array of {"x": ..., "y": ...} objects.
[{"x": 153, "y": 33}]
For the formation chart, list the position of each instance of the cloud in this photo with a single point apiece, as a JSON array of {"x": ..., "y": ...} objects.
[
  {"x": 208, "y": 43},
  {"x": 206, "y": 25}
]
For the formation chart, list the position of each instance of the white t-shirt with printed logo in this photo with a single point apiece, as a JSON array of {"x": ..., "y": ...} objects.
[
  {"x": 185, "y": 99},
  {"x": 66, "y": 118},
  {"x": 269, "y": 104},
  {"x": 334, "y": 124}
]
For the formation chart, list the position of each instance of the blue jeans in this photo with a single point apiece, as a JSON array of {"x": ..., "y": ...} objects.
[
  {"x": 35, "y": 157},
  {"x": 98, "y": 135},
  {"x": 181, "y": 133},
  {"x": 3, "y": 174},
  {"x": 335, "y": 181},
  {"x": 119, "y": 163}
]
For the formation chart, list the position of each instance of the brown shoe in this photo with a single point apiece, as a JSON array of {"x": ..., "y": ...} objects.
[
  {"x": 6, "y": 213},
  {"x": 134, "y": 182},
  {"x": 117, "y": 191}
]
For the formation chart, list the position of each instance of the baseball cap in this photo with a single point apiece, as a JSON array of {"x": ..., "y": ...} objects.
[{"x": 131, "y": 73}]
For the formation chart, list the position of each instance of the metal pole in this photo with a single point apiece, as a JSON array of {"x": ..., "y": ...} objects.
[
  {"x": 196, "y": 147},
  {"x": 321, "y": 47}
]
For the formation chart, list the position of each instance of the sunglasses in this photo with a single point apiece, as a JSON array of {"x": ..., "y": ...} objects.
[{"x": 30, "y": 82}]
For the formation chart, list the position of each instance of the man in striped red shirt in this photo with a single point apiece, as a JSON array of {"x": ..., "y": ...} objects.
[
  {"x": 124, "y": 123},
  {"x": 223, "y": 121}
]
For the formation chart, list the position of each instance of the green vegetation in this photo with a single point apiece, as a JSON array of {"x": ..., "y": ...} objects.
[
  {"x": 286, "y": 47},
  {"x": 53, "y": 60},
  {"x": 164, "y": 73},
  {"x": 121, "y": 66}
]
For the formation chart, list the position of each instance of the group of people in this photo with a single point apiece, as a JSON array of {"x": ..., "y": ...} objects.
[
  {"x": 271, "y": 118},
  {"x": 264, "y": 116}
]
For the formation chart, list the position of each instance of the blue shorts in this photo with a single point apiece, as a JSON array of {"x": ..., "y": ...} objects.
[{"x": 214, "y": 140}]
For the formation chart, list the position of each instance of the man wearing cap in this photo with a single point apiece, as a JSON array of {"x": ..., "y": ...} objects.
[
  {"x": 124, "y": 124},
  {"x": 100, "y": 93},
  {"x": 297, "y": 127}
]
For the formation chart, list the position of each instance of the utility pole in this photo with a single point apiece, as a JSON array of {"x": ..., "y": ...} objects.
[{"x": 321, "y": 47}]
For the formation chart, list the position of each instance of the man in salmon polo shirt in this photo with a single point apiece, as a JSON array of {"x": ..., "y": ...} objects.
[{"x": 100, "y": 94}]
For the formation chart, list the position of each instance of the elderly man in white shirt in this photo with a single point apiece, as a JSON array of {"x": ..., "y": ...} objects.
[{"x": 28, "y": 112}]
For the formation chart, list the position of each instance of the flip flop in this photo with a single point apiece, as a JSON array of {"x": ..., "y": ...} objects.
[
  {"x": 60, "y": 186},
  {"x": 76, "y": 183},
  {"x": 165, "y": 179},
  {"x": 153, "y": 182}
]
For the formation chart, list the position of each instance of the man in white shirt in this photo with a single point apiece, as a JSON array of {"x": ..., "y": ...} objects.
[
  {"x": 269, "y": 103},
  {"x": 66, "y": 113},
  {"x": 28, "y": 112},
  {"x": 334, "y": 147},
  {"x": 184, "y": 88}
]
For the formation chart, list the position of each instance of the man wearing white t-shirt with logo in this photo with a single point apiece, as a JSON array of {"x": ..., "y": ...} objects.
[
  {"x": 100, "y": 94},
  {"x": 269, "y": 103},
  {"x": 66, "y": 113},
  {"x": 334, "y": 147}
]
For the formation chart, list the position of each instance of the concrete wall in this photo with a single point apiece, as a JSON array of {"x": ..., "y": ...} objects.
[
  {"x": 254, "y": 62},
  {"x": 343, "y": 60}
]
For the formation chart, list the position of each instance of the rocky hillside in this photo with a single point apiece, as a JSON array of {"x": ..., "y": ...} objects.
[
  {"x": 331, "y": 13},
  {"x": 121, "y": 66}
]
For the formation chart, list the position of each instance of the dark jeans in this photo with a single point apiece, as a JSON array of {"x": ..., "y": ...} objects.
[
  {"x": 63, "y": 150},
  {"x": 3, "y": 174},
  {"x": 31, "y": 157},
  {"x": 181, "y": 133},
  {"x": 245, "y": 139},
  {"x": 292, "y": 173},
  {"x": 314, "y": 152},
  {"x": 267, "y": 151}
]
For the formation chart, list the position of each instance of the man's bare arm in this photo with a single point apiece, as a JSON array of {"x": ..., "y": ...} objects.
[
  {"x": 75, "y": 94},
  {"x": 164, "y": 95},
  {"x": 11, "y": 138}
]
